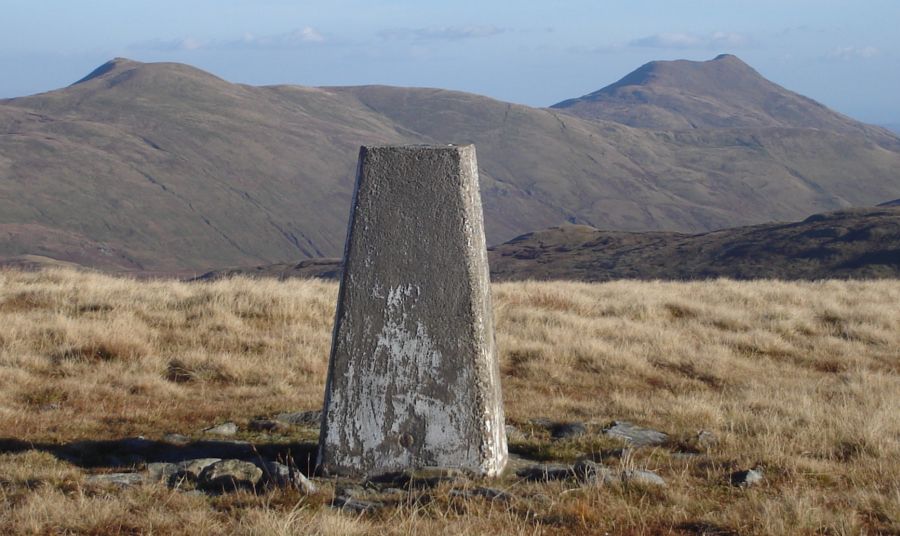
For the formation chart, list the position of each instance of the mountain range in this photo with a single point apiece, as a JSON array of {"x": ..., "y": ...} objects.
[{"x": 160, "y": 167}]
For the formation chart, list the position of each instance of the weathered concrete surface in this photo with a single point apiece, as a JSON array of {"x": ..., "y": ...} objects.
[{"x": 413, "y": 379}]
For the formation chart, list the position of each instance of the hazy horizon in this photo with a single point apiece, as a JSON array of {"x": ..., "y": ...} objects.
[{"x": 837, "y": 52}]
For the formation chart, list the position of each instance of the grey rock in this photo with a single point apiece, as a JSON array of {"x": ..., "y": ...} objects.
[
  {"x": 268, "y": 425},
  {"x": 224, "y": 429},
  {"x": 191, "y": 469},
  {"x": 546, "y": 472},
  {"x": 567, "y": 430},
  {"x": 492, "y": 494},
  {"x": 116, "y": 479},
  {"x": 408, "y": 383},
  {"x": 229, "y": 475},
  {"x": 746, "y": 478},
  {"x": 162, "y": 472},
  {"x": 176, "y": 439},
  {"x": 642, "y": 476},
  {"x": 301, "y": 418},
  {"x": 280, "y": 475},
  {"x": 634, "y": 435},
  {"x": 357, "y": 506},
  {"x": 593, "y": 473}
]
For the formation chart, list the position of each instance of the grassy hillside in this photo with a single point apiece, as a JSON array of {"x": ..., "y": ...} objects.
[
  {"x": 163, "y": 167},
  {"x": 798, "y": 379}
]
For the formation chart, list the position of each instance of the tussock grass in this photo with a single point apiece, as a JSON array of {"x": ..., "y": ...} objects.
[{"x": 799, "y": 379}]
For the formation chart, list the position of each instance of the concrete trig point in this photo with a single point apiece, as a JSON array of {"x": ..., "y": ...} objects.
[{"x": 413, "y": 379}]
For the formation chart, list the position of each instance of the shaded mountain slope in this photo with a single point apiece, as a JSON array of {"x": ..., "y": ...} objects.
[
  {"x": 855, "y": 243},
  {"x": 163, "y": 167}
]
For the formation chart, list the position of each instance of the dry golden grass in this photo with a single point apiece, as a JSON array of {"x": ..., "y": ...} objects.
[{"x": 801, "y": 379}]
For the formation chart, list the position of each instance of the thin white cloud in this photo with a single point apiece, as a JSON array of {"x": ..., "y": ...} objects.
[
  {"x": 682, "y": 40},
  {"x": 298, "y": 37},
  {"x": 441, "y": 33},
  {"x": 294, "y": 39},
  {"x": 854, "y": 53}
]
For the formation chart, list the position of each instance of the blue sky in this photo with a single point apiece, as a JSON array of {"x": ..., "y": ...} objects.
[{"x": 845, "y": 54}]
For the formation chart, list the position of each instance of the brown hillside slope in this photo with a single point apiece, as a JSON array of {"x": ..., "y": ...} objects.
[
  {"x": 721, "y": 93},
  {"x": 165, "y": 167},
  {"x": 848, "y": 244},
  {"x": 857, "y": 244}
]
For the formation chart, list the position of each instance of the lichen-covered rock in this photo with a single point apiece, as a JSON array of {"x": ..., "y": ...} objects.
[
  {"x": 226, "y": 475},
  {"x": 634, "y": 435},
  {"x": 224, "y": 429}
]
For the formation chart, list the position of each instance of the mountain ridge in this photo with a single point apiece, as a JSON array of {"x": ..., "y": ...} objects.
[{"x": 164, "y": 167}]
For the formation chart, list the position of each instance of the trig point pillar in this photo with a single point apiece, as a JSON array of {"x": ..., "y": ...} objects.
[{"x": 413, "y": 379}]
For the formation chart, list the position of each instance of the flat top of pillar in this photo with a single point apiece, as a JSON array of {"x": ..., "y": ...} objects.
[{"x": 412, "y": 147}]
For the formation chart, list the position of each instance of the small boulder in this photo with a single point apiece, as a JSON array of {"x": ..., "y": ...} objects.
[
  {"x": 226, "y": 475},
  {"x": 634, "y": 435},
  {"x": 746, "y": 478},
  {"x": 546, "y": 472},
  {"x": 355, "y": 505},
  {"x": 268, "y": 425},
  {"x": 280, "y": 475},
  {"x": 176, "y": 439},
  {"x": 162, "y": 472},
  {"x": 642, "y": 476},
  {"x": 593, "y": 473},
  {"x": 224, "y": 429},
  {"x": 191, "y": 469}
]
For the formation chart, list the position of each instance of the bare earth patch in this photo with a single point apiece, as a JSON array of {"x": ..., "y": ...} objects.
[{"x": 798, "y": 380}]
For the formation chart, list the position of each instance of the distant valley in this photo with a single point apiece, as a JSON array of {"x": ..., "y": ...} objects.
[{"x": 163, "y": 168}]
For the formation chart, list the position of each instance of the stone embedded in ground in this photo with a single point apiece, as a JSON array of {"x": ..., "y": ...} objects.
[
  {"x": 224, "y": 429},
  {"x": 227, "y": 475},
  {"x": 267, "y": 425},
  {"x": 413, "y": 377},
  {"x": 567, "y": 430},
  {"x": 642, "y": 476},
  {"x": 116, "y": 479},
  {"x": 280, "y": 475},
  {"x": 746, "y": 478},
  {"x": 356, "y": 505},
  {"x": 191, "y": 469},
  {"x": 593, "y": 473},
  {"x": 634, "y": 435},
  {"x": 492, "y": 494},
  {"x": 546, "y": 472}
]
